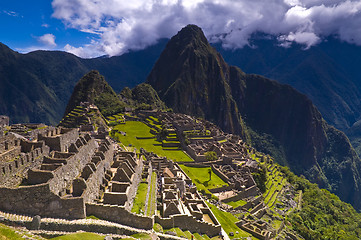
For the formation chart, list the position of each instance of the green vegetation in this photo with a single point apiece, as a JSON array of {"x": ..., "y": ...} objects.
[
  {"x": 8, "y": 233},
  {"x": 134, "y": 129},
  {"x": 260, "y": 178},
  {"x": 323, "y": 214},
  {"x": 188, "y": 234},
  {"x": 202, "y": 178},
  {"x": 140, "y": 198},
  {"x": 80, "y": 236},
  {"x": 141, "y": 236},
  {"x": 157, "y": 227},
  {"x": 92, "y": 217},
  {"x": 93, "y": 88},
  {"x": 211, "y": 156},
  {"x": 237, "y": 203},
  {"x": 227, "y": 220}
]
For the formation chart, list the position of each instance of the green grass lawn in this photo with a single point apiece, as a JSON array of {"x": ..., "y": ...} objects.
[
  {"x": 140, "y": 198},
  {"x": 237, "y": 203},
  {"x": 227, "y": 220},
  {"x": 80, "y": 236},
  {"x": 135, "y": 129},
  {"x": 200, "y": 176}
]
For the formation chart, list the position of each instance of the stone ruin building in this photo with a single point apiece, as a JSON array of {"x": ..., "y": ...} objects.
[
  {"x": 179, "y": 203},
  {"x": 65, "y": 173}
]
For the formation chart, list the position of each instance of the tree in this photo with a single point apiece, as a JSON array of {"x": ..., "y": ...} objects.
[{"x": 211, "y": 156}]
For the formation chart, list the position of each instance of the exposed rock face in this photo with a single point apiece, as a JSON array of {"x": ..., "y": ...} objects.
[{"x": 192, "y": 78}]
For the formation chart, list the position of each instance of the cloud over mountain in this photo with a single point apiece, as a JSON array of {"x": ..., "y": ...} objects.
[
  {"x": 122, "y": 25},
  {"x": 47, "y": 39}
]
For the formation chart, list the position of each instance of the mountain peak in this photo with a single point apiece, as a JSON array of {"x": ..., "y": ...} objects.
[
  {"x": 93, "y": 88},
  {"x": 190, "y": 33},
  {"x": 190, "y": 76}
]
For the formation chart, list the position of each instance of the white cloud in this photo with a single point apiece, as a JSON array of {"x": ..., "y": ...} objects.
[
  {"x": 47, "y": 39},
  {"x": 122, "y": 25}
]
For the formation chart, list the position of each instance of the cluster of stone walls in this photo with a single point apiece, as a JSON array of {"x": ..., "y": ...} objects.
[
  {"x": 120, "y": 215},
  {"x": 11, "y": 173},
  {"x": 93, "y": 174},
  {"x": 60, "y": 169},
  {"x": 39, "y": 200},
  {"x": 9, "y": 147},
  {"x": 189, "y": 223},
  {"x": 249, "y": 192},
  {"x": 219, "y": 174},
  {"x": 59, "y": 139}
]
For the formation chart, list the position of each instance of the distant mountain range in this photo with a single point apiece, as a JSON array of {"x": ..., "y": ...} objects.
[
  {"x": 36, "y": 87},
  {"x": 327, "y": 73}
]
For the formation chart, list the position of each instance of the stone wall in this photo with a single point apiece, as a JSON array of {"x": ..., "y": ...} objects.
[
  {"x": 185, "y": 222},
  {"x": 95, "y": 179},
  {"x": 59, "y": 139},
  {"x": 219, "y": 174},
  {"x": 120, "y": 215},
  {"x": 39, "y": 200},
  {"x": 9, "y": 147},
  {"x": 63, "y": 176},
  {"x": 221, "y": 189},
  {"x": 11, "y": 173},
  {"x": 4, "y": 121},
  {"x": 251, "y": 191},
  {"x": 134, "y": 185}
]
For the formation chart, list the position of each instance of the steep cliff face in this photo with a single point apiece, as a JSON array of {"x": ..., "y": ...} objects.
[{"x": 191, "y": 77}]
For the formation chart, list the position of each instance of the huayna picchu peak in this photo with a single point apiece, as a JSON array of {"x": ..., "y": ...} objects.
[{"x": 200, "y": 150}]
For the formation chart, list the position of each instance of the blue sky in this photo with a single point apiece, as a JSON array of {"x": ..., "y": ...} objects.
[
  {"x": 91, "y": 28},
  {"x": 24, "y": 22}
]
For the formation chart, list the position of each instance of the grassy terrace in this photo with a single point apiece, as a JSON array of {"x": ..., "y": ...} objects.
[
  {"x": 140, "y": 198},
  {"x": 136, "y": 129},
  {"x": 237, "y": 203},
  {"x": 228, "y": 222},
  {"x": 200, "y": 176},
  {"x": 80, "y": 236},
  {"x": 274, "y": 185},
  {"x": 188, "y": 234}
]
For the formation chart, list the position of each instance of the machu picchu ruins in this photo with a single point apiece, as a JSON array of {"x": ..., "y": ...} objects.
[{"x": 73, "y": 173}]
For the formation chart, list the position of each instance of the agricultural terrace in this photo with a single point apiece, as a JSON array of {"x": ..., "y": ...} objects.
[
  {"x": 137, "y": 134},
  {"x": 228, "y": 222}
]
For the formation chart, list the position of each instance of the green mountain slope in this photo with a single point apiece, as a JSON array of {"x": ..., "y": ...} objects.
[
  {"x": 36, "y": 87},
  {"x": 191, "y": 77},
  {"x": 93, "y": 88},
  {"x": 327, "y": 73}
]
